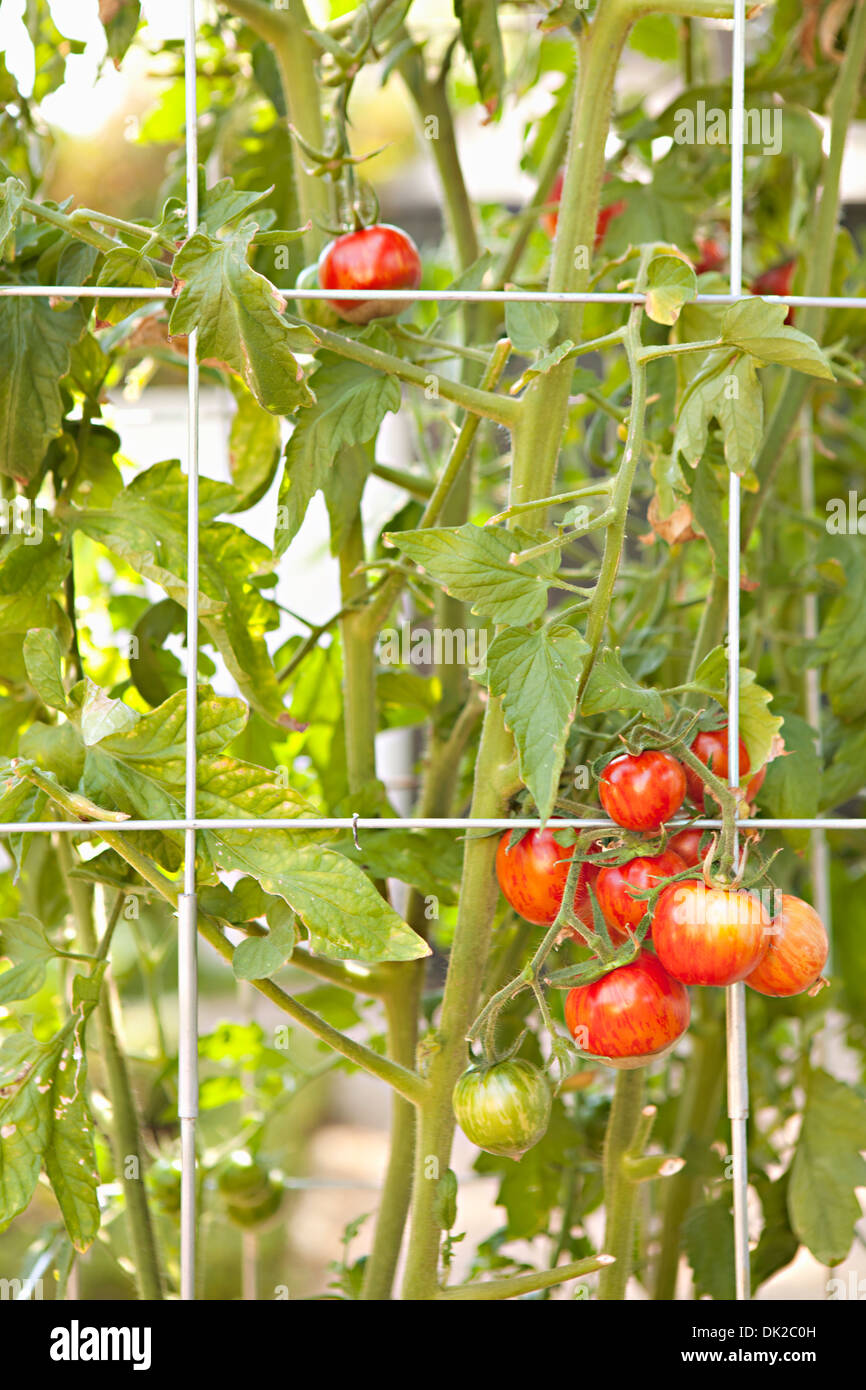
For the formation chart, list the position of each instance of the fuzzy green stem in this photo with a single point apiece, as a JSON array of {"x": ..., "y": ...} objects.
[
  {"x": 125, "y": 1134},
  {"x": 620, "y": 1193},
  {"x": 696, "y": 1121},
  {"x": 485, "y": 403},
  {"x": 517, "y": 1284},
  {"x": 359, "y": 670}
]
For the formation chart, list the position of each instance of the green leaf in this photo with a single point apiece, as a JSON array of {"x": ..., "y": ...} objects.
[
  {"x": 792, "y": 786},
  {"x": 343, "y": 489},
  {"x": 120, "y": 21},
  {"x": 224, "y": 203},
  {"x": 758, "y": 727},
  {"x": 671, "y": 283},
  {"x": 12, "y": 194},
  {"x": 708, "y": 1236},
  {"x": 445, "y": 1201},
  {"x": 758, "y": 327},
  {"x": 828, "y": 1167},
  {"x": 43, "y": 659},
  {"x": 611, "y": 687},
  {"x": 29, "y": 575},
  {"x": 530, "y": 326},
  {"x": 100, "y": 716},
  {"x": 729, "y": 392},
  {"x": 428, "y": 860},
  {"x": 844, "y": 776},
  {"x": 146, "y": 526},
  {"x": 70, "y": 1158},
  {"x": 123, "y": 266},
  {"x": 35, "y": 343},
  {"x": 351, "y": 401},
  {"x": 536, "y": 674},
  {"x": 258, "y": 957},
  {"x": 542, "y": 365},
  {"x": 472, "y": 563},
  {"x": 239, "y": 317},
  {"x": 346, "y": 917},
  {"x": 254, "y": 447},
  {"x": 479, "y": 28},
  {"x": 778, "y": 1245},
  {"x": 23, "y": 941}
]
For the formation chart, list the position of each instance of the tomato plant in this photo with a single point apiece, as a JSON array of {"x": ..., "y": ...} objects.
[
  {"x": 797, "y": 951},
  {"x": 709, "y": 936},
  {"x": 632, "y": 1014},
  {"x": 711, "y": 746},
  {"x": 622, "y": 910},
  {"x": 455, "y": 566},
  {"x": 504, "y": 1108},
  {"x": 642, "y": 791},
  {"x": 372, "y": 258},
  {"x": 533, "y": 873}
]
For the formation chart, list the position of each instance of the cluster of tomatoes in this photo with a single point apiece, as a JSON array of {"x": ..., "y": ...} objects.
[{"x": 701, "y": 933}]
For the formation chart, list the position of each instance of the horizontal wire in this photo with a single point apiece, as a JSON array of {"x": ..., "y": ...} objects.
[
  {"x": 435, "y": 296},
  {"x": 415, "y": 823}
]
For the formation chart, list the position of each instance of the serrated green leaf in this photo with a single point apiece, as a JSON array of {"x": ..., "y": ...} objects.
[
  {"x": 146, "y": 526},
  {"x": 611, "y": 687},
  {"x": 238, "y": 315},
  {"x": 35, "y": 343},
  {"x": 828, "y": 1167},
  {"x": 758, "y": 327},
  {"x": 123, "y": 266},
  {"x": 535, "y": 674},
  {"x": 479, "y": 28},
  {"x": 346, "y": 917},
  {"x": 729, "y": 392},
  {"x": 530, "y": 325},
  {"x": 472, "y": 563},
  {"x": 351, "y": 401},
  {"x": 758, "y": 727}
]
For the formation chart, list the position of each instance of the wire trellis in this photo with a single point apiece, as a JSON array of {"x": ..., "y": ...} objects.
[{"x": 190, "y": 824}]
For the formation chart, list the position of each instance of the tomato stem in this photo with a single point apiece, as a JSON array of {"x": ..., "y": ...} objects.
[{"x": 624, "y": 1129}]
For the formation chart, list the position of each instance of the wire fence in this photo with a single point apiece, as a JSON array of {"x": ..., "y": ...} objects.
[{"x": 190, "y": 824}]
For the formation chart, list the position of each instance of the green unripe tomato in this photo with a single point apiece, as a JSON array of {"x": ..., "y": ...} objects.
[
  {"x": 504, "y": 1108},
  {"x": 252, "y": 1216},
  {"x": 243, "y": 1180},
  {"x": 163, "y": 1182},
  {"x": 316, "y": 311}
]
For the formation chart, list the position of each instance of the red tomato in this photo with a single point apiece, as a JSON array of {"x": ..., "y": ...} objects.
[
  {"x": 532, "y": 876},
  {"x": 630, "y": 1015},
  {"x": 375, "y": 258},
  {"x": 622, "y": 911},
  {"x": 709, "y": 936},
  {"x": 687, "y": 844},
  {"x": 777, "y": 280},
  {"x": 711, "y": 747},
  {"x": 642, "y": 790},
  {"x": 797, "y": 952},
  {"x": 710, "y": 255},
  {"x": 606, "y": 215}
]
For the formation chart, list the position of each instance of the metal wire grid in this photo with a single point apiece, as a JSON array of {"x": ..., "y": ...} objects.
[{"x": 738, "y": 1100}]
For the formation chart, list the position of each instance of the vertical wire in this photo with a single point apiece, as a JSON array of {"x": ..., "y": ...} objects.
[
  {"x": 735, "y": 995},
  {"x": 187, "y": 968}
]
